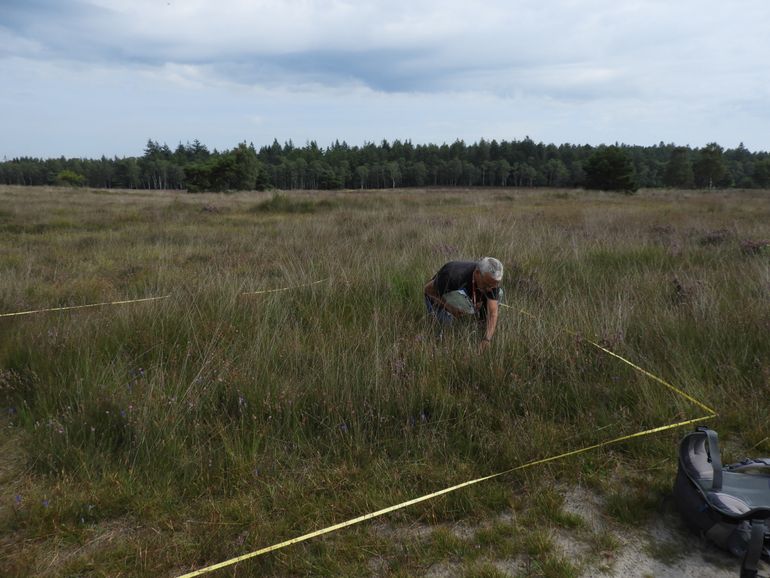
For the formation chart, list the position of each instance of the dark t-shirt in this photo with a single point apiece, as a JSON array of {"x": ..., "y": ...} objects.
[{"x": 459, "y": 275}]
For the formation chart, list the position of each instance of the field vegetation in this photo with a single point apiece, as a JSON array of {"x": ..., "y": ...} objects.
[{"x": 154, "y": 438}]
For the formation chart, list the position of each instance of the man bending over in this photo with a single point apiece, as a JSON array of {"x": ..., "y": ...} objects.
[{"x": 466, "y": 288}]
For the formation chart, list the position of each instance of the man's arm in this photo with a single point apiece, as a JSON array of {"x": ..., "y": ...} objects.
[
  {"x": 431, "y": 291},
  {"x": 492, "y": 309}
]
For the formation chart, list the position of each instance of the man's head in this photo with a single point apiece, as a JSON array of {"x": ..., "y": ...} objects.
[{"x": 489, "y": 273}]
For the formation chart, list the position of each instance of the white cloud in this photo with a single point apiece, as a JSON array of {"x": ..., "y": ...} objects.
[
  {"x": 12, "y": 43},
  {"x": 573, "y": 70}
]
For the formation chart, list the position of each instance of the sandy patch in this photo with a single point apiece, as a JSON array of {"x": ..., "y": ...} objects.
[{"x": 662, "y": 549}]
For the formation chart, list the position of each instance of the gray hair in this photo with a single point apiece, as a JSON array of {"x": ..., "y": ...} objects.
[{"x": 491, "y": 266}]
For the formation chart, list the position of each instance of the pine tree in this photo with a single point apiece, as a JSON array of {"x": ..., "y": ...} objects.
[{"x": 610, "y": 169}]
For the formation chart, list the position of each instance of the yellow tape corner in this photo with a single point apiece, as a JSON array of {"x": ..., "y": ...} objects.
[{"x": 365, "y": 517}]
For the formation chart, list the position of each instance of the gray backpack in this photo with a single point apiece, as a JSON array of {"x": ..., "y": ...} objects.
[{"x": 729, "y": 505}]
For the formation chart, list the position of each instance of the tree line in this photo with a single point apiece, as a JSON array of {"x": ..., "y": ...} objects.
[{"x": 517, "y": 163}]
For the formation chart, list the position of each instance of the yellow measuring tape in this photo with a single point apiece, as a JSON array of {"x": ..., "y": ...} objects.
[
  {"x": 384, "y": 511},
  {"x": 82, "y": 306},
  {"x": 284, "y": 288},
  {"x": 144, "y": 299},
  {"x": 623, "y": 359},
  {"x": 426, "y": 497}
]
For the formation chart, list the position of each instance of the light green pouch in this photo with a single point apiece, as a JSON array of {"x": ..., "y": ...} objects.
[{"x": 459, "y": 300}]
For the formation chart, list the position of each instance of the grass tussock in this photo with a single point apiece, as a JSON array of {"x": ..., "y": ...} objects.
[
  {"x": 281, "y": 203},
  {"x": 166, "y": 435}
]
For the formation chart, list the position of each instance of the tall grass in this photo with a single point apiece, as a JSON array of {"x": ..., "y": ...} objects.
[{"x": 213, "y": 422}]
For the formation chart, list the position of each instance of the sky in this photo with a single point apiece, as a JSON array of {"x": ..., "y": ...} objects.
[{"x": 86, "y": 78}]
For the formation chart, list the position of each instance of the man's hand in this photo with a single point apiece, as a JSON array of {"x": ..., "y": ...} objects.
[{"x": 492, "y": 311}]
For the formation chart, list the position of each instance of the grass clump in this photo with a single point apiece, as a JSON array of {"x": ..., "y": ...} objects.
[
  {"x": 603, "y": 543},
  {"x": 667, "y": 552},
  {"x": 281, "y": 203},
  {"x": 549, "y": 505},
  {"x": 484, "y": 570}
]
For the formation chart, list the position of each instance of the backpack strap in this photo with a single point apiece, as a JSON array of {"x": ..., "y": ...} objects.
[
  {"x": 750, "y": 563},
  {"x": 715, "y": 457}
]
